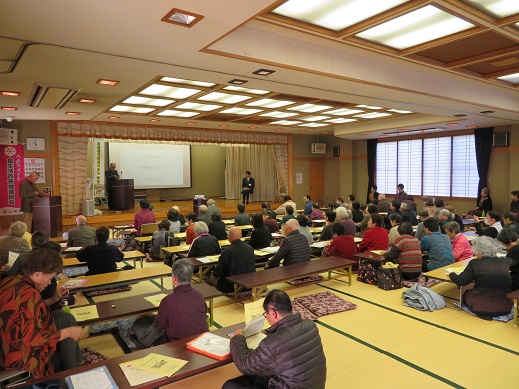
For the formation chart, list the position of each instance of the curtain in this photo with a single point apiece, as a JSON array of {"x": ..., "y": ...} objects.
[
  {"x": 372, "y": 163},
  {"x": 483, "y": 144},
  {"x": 72, "y": 155},
  {"x": 260, "y": 160}
]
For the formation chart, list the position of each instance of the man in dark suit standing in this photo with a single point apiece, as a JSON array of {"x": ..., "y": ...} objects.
[
  {"x": 247, "y": 186},
  {"x": 111, "y": 176}
]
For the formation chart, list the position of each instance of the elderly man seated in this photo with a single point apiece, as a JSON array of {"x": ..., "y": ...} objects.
[
  {"x": 294, "y": 248},
  {"x": 13, "y": 242},
  {"x": 102, "y": 257},
  {"x": 82, "y": 235}
]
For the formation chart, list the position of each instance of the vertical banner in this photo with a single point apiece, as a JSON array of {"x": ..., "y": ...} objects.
[
  {"x": 12, "y": 173},
  {"x": 98, "y": 165}
]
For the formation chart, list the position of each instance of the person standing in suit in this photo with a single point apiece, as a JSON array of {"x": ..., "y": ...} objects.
[
  {"x": 247, "y": 186},
  {"x": 111, "y": 176},
  {"x": 28, "y": 192}
]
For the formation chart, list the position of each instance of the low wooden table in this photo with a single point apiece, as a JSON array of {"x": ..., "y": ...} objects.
[
  {"x": 441, "y": 274},
  {"x": 128, "y": 255},
  {"x": 260, "y": 280},
  {"x": 118, "y": 231},
  {"x": 514, "y": 296},
  {"x": 372, "y": 257}
]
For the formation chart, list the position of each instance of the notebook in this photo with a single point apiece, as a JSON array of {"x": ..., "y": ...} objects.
[
  {"x": 95, "y": 378},
  {"x": 212, "y": 345},
  {"x": 253, "y": 332}
]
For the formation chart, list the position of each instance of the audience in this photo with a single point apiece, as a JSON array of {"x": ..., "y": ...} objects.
[
  {"x": 287, "y": 201},
  {"x": 217, "y": 226},
  {"x": 344, "y": 217},
  {"x": 514, "y": 202},
  {"x": 363, "y": 225},
  {"x": 101, "y": 257},
  {"x": 383, "y": 205},
  {"x": 181, "y": 217},
  {"x": 307, "y": 201},
  {"x": 509, "y": 239},
  {"x": 82, "y": 235},
  {"x": 400, "y": 193},
  {"x": 265, "y": 206},
  {"x": 174, "y": 223},
  {"x": 342, "y": 245},
  {"x": 212, "y": 208},
  {"x": 408, "y": 215},
  {"x": 161, "y": 238},
  {"x": 461, "y": 248},
  {"x": 190, "y": 230},
  {"x": 406, "y": 252},
  {"x": 492, "y": 221},
  {"x": 260, "y": 236},
  {"x": 356, "y": 213},
  {"x": 455, "y": 217},
  {"x": 316, "y": 214},
  {"x": 394, "y": 219},
  {"x": 443, "y": 218},
  {"x": 304, "y": 229},
  {"x": 242, "y": 218},
  {"x": 327, "y": 233},
  {"x": 373, "y": 195},
  {"x": 13, "y": 242},
  {"x": 293, "y": 249},
  {"x": 289, "y": 214},
  {"x": 38, "y": 238},
  {"x": 144, "y": 216},
  {"x": 436, "y": 245},
  {"x": 420, "y": 231},
  {"x": 485, "y": 202},
  {"x": 270, "y": 223},
  {"x": 204, "y": 244},
  {"x": 375, "y": 237},
  {"x": 438, "y": 205},
  {"x": 510, "y": 221},
  {"x": 204, "y": 216}
]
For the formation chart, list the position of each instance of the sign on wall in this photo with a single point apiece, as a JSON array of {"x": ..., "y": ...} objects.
[{"x": 11, "y": 175}]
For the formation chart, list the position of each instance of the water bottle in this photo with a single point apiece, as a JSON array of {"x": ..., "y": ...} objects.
[
  {"x": 483, "y": 214},
  {"x": 65, "y": 307}
]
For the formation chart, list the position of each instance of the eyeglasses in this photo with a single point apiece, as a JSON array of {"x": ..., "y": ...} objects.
[{"x": 264, "y": 314}]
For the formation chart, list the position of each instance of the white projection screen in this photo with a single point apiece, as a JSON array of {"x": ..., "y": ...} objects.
[{"x": 153, "y": 166}]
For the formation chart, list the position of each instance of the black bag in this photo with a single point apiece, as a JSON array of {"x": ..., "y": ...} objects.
[
  {"x": 367, "y": 272},
  {"x": 389, "y": 279}
]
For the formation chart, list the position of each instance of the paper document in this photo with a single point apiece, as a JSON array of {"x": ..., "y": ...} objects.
[
  {"x": 76, "y": 283},
  {"x": 357, "y": 239},
  {"x": 270, "y": 249},
  {"x": 456, "y": 270},
  {"x": 252, "y": 332},
  {"x": 159, "y": 364},
  {"x": 155, "y": 299},
  {"x": 12, "y": 258},
  {"x": 260, "y": 253},
  {"x": 213, "y": 346},
  {"x": 135, "y": 376},
  {"x": 95, "y": 378},
  {"x": 63, "y": 244},
  {"x": 378, "y": 252},
  {"x": 320, "y": 244},
  {"x": 208, "y": 259},
  {"x": 85, "y": 313},
  {"x": 253, "y": 310},
  {"x": 69, "y": 249}
]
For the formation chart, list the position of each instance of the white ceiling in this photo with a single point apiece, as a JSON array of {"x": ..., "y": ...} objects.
[{"x": 74, "y": 43}]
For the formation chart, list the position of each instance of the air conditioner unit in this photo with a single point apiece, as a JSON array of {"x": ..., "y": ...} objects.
[
  {"x": 318, "y": 148},
  {"x": 8, "y": 136},
  {"x": 50, "y": 97}
]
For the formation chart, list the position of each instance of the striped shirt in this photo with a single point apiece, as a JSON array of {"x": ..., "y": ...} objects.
[{"x": 438, "y": 246}]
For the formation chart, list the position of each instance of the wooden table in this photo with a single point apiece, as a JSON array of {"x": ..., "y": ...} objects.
[
  {"x": 117, "y": 278},
  {"x": 372, "y": 257},
  {"x": 185, "y": 248},
  {"x": 260, "y": 280},
  {"x": 117, "y": 231},
  {"x": 134, "y": 255},
  {"x": 514, "y": 296},
  {"x": 196, "y": 363},
  {"x": 441, "y": 274},
  {"x": 136, "y": 305}
]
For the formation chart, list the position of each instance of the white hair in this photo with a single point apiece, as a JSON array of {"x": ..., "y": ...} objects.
[
  {"x": 200, "y": 228},
  {"x": 484, "y": 247}
]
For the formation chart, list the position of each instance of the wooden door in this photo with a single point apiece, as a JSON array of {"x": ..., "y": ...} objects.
[{"x": 316, "y": 180}]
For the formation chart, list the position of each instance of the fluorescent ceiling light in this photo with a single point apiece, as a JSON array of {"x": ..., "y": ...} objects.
[
  {"x": 247, "y": 90},
  {"x": 500, "y": 8},
  {"x": 372, "y": 115},
  {"x": 199, "y": 107},
  {"x": 278, "y": 114},
  {"x": 122, "y": 108},
  {"x": 416, "y": 27},
  {"x": 309, "y": 108},
  {"x": 286, "y": 122},
  {"x": 182, "y": 18},
  {"x": 368, "y": 106},
  {"x": 169, "y": 91},
  {"x": 269, "y": 103},
  {"x": 343, "y": 112},
  {"x": 172, "y": 112},
  {"x": 313, "y": 125},
  {"x": 512, "y": 78},
  {"x": 340, "y": 120},
  {"x": 147, "y": 101},
  {"x": 334, "y": 14},
  {"x": 241, "y": 111},
  {"x": 399, "y": 111},
  {"x": 188, "y": 82},
  {"x": 314, "y": 118},
  {"x": 224, "y": 98}
]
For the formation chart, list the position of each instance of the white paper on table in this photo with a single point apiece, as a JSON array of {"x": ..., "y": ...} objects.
[
  {"x": 12, "y": 258},
  {"x": 135, "y": 376},
  {"x": 91, "y": 379}
]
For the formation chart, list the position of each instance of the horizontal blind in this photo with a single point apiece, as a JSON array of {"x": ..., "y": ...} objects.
[
  {"x": 465, "y": 177},
  {"x": 410, "y": 165},
  {"x": 386, "y": 167},
  {"x": 437, "y": 166}
]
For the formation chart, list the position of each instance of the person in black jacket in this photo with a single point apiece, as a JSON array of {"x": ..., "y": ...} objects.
[
  {"x": 238, "y": 258},
  {"x": 294, "y": 249},
  {"x": 247, "y": 187},
  {"x": 407, "y": 215},
  {"x": 101, "y": 257},
  {"x": 204, "y": 244},
  {"x": 217, "y": 226},
  {"x": 291, "y": 356},
  {"x": 260, "y": 236}
]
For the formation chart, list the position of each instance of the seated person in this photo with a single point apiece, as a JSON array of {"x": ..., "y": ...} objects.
[
  {"x": 266, "y": 208},
  {"x": 342, "y": 245},
  {"x": 32, "y": 335},
  {"x": 316, "y": 214},
  {"x": 437, "y": 205},
  {"x": 217, "y": 226},
  {"x": 383, "y": 204},
  {"x": 510, "y": 221},
  {"x": 357, "y": 214},
  {"x": 304, "y": 229},
  {"x": 82, "y": 235},
  {"x": 269, "y": 222},
  {"x": 287, "y": 201},
  {"x": 437, "y": 246},
  {"x": 420, "y": 231},
  {"x": 327, "y": 233},
  {"x": 443, "y": 218},
  {"x": 406, "y": 252},
  {"x": 375, "y": 237},
  {"x": 260, "y": 236},
  {"x": 363, "y": 225},
  {"x": 181, "y": 314},
  {"x": 491, "y": 278},
  {"x": 289, "y": 214},
  {"x": 344, "y": 217},
  {"x": 373, "y": 195},
  {"x": 394, "y": 207},
  {"x": 455, "y": 217},
  {"x": 236, "y": 259},
  {"x": 161, "y": 238},
  {"x": 38, "y": 238},
  {"x": 174, "y": 223},
  {"x": 395, "y": 219},
  {"x": 509, "y": 239},
  {"x": 407, "y": 214},
  {"x": 460, "y": 245},
  {"x": 181, "y": 217},
  {"x": 294, "y": 249},
  {"x": 190, "y": 230},
  {"x": 484, "y": 204},
  {"x": 102, "y": 257},
  {"x": 242, "y": 218},
  {"x": 13, "y": 242},
  {"x": 492, "y": 221},
  {"x": 204, "y": 216},
  {"x": 204, "y": 244},
  {"x": 144, "y": 216}
]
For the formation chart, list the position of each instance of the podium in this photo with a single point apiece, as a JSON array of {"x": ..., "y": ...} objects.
[
  {"x": 46, "y": 215},
  {"x": 196, "y": 205},
  {"x": 123, "y": 195}
]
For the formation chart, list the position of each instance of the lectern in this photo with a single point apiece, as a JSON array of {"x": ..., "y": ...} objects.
[
  {"x": 123, "y": 195},
  {"x": 46, "y": 215}
]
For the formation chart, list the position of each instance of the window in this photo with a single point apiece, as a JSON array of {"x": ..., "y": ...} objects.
[{"x": 444, "y": 166}]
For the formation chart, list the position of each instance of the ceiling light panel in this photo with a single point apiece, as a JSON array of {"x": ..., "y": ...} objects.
[
  {"x": 340, "y": 120},
  {"x": 500, "y": 8},
  {"x": 124, "y": 108},
  {"x": 313, "y": 125},
  {"x": 188, "y": 82},
  {"x": 241, "y": 111},
  {"x": 511, "y": 78},
  {"x": 279, "y": 114},
  {"x": 246, "y": 90},
  {"x": 334, "y": 14},
  {"x": 169, "y": 91},
  {"x": 314, "y": 118},
  {"x": 343, "y": 112},
  {"x": 180, "y": 114},
  {"x": 368, "y": 106},
  {"x": 286, "y": 122},
  {"x": 309, "y": 108},
  {"x": 147, "y": 101},
  {"x": 225, "y": 98},
  {"x": 423, "y": 25},
  {"x": 269, "y": 103},
  {"x": 399, "y": 111},
  {"x": 199, "y": 107},
  {"x": 373, "y": 115}
]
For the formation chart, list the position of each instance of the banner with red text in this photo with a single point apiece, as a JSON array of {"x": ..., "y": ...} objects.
[{"x": 12, "y": 173}]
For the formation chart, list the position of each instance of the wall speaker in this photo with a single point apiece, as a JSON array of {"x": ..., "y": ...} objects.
[
  {"x": 500, "y": 139},
  {"x": 336, "y": 151}
]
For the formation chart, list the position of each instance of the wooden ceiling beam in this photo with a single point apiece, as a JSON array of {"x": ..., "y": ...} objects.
[{"x": 483, "y": 57}]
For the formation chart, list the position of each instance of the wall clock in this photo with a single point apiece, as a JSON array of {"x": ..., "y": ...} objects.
[{"x": 37, "y": 144}]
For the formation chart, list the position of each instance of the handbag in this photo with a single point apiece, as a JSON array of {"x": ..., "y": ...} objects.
[
  {"x": 367, "y": 272},
  {"x": 389, "y": 278}
]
